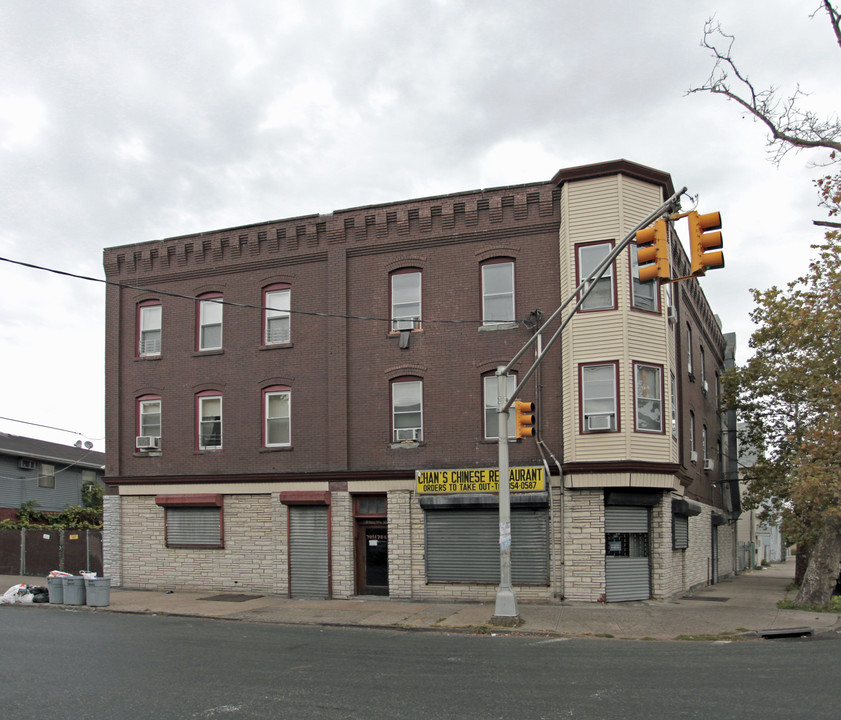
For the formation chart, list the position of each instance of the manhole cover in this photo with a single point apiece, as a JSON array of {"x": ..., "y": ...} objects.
[{"x": 232, "y": 598}]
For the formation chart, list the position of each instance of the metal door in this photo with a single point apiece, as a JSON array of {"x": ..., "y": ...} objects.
[
  {"x": 309, "y": 566},
  {"x": 627, "y": 571}
]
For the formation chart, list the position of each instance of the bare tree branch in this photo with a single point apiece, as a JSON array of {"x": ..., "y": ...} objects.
[{"x": 789, "y": 125}]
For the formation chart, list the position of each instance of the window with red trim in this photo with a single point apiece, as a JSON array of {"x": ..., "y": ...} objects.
[
  {"x": 277, "y": 416},
  {"x": 209, "y": 327},
  {"x": 149, "y": 316},
  {"x": 277, "y": 328},
  {"x": 209, "y": 420}
]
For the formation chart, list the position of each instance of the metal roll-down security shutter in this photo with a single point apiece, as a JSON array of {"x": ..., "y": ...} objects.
[
  {"x": 627, "y": 573},
  {"x": 308, "y": 556},
  {"x": 462, "y": 545}
]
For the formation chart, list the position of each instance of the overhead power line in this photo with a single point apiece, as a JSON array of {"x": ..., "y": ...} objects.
[{"x": 194, "y": 298}]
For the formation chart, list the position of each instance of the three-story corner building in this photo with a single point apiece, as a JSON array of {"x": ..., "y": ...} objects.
[{"x": 307, "y": 406}]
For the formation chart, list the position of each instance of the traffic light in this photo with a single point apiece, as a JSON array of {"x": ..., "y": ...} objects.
[
  {"x": 701, "y": 240},
  {"x": 653, "y": 252},
  {"x": 524, "y": 419}
]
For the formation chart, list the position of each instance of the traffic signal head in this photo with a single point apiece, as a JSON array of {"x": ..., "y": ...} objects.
[
  {"x": 702, "y": 240},
  {"x": 524, "y": 419},
  {"x": 653, "y": 252}
]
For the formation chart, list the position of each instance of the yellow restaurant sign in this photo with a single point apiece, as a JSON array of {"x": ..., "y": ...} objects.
[{"x": 523, "y": 479}]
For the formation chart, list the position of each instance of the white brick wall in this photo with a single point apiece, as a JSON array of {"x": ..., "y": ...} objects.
[{"x": 584, "y": 545}]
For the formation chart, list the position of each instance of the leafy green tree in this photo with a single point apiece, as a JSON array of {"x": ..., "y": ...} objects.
[
  {"x": 789, "y": 397},
  {"x": 788, "y": 393}
]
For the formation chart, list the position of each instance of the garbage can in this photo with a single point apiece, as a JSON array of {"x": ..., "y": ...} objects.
[
  {"x": 98, "y": 591},
  {"x": 56, "y": 588},
  {"x": 74, "y": 590}
]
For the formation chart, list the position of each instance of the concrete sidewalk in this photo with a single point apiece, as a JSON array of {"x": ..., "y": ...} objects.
[{"x": 741, "y": 605}]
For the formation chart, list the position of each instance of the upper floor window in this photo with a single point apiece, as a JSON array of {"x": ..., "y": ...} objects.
[
  {"x": 210, "y": 322},
  {"x": 589, "y": 257},
  {"x": 405, "y": 300},
  {"x": 498, "y": 292},
  {"x": 276, "y": 301},
  {"x": 689, "y": 367},
  {"x": 644, "y": 295},
  {"x": 407, "y": 410},
  {"x": 702, "y": 369},
  {"x": 46, "y": 476},
  {"x": 648, "y": 388},
  {"x": 277, "y": 417},
  {"x": 491, "y": 388},
  {"x": 673, "y": 397},
  {"x": 149, "y": 329},
  {"x": 693, "y": 453},
  {"x": 148, "y": 423},
  {"x": 209, "y": 421},
  {"x": 598, "y": 397}
]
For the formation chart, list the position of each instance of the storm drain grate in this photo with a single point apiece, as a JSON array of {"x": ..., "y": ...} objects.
[
  {"x": 232, "y": 598},
  {"x": 710, "y": 598}
]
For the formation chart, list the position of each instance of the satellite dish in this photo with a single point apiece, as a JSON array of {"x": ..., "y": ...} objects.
[
  {"x": 77, "y": 444},
  {"x": 88, "y": 444}
]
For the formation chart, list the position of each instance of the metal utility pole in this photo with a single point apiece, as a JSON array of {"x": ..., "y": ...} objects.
[{"x": 506, "y": 599}]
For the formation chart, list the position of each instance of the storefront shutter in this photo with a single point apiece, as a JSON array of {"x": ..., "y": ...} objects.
[
  {"x": 628, "y": 577},
  {"x": 193, "y": 526},
  {"x": 463, "y": 546},
  {"x": 308, "y": 558}
]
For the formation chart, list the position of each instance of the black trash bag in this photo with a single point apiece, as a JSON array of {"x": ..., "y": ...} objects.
[{"x": 40, "y": 594}]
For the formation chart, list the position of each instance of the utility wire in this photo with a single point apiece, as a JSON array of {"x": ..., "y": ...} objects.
[
  {"x": 49, "y": 427},
  {"x": 194, "y": 298}
]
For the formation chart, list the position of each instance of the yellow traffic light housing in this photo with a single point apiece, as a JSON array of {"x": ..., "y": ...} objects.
[
  {"x": 702, "y": 240},
  {"x": 653, "y": 252},
  {"x": 524, "y": 412}
]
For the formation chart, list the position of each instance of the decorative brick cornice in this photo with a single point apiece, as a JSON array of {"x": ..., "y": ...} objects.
[{"x": 480, "y": 211}]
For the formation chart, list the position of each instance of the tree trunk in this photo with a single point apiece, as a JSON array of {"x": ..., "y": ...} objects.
[{"x": 822, "y": 573}]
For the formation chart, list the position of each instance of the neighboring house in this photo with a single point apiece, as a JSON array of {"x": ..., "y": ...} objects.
[
  {"x": 758, "y": 541},
  {"x": 331, "y": 429},
  {"x": 48, "y": 473}
]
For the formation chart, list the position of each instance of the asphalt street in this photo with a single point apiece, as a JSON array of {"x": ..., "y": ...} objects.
[{"x": 119, "y": 665}]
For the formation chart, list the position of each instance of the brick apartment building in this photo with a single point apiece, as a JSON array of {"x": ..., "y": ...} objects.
[{"x": 307, "y": 406}]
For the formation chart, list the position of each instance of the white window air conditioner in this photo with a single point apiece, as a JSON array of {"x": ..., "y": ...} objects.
[
  {"x": 407, "y": 434},
  {"x": 600, "y": 422},
  {"x": 147, "y": 442},
  {"x": 671, "y": 314},
  {"x": 708, "y": 464},
  {"x": 693, "y": 456},
  {"x": 27, "y": 464},
  {"x": 400, "y": 325}
]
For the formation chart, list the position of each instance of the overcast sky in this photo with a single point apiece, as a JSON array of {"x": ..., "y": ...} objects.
[{"x": 122, "y": 122}]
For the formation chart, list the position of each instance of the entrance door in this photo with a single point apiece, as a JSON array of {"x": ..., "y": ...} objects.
[
  {"x": 371, "y": 544},
  {"x": 627, "y": 574},
  {"x": 309, "y": 564}
]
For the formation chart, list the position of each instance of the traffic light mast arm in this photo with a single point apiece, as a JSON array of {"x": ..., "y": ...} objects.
[{"x": 584, "y": 288}]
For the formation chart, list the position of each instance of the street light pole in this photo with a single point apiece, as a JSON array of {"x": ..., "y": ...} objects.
[{"x": 506, "y": 600}]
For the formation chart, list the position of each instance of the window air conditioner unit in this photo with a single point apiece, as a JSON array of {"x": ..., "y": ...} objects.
[
  {"x": 671, "y": 314},
  {"x": 147, "y": 442},
  {"x": 708, "y": 464},
  {"x": 27, "y": 464},
  {"x": 693, "y": 456},
  {"x": 400, "y": 325},
  {"x": 600, "y": 422},
  {"x": 407, "y": 434}
]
